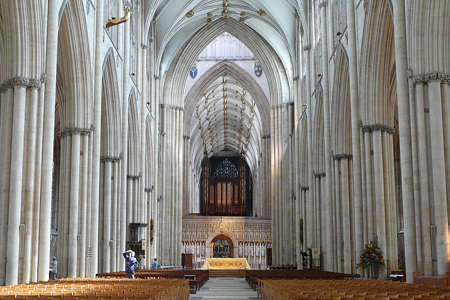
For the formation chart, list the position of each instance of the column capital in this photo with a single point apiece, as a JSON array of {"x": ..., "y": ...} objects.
[
  {"x": 323, "y": 4},
  {"x": 378, "y": 127},
  {"x": 307, "y": 47},
  {"x": 319, "y": 175},
  {"x": 73, "y": 131},
  {"x": 174, "y": 107},
  {"x": 110, "y": 159},
  {"x": 134, "y": 177},
  {"x": 430, "y": 77},
  {"x": 342, "y": 156},
  {"x": 20, "y": 81}
]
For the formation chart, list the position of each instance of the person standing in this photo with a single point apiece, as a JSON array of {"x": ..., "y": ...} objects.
[
  {"x": 131, "y": 262},
  {"x": 53, "y": 268},
  {"x": 155, "y": 265}
]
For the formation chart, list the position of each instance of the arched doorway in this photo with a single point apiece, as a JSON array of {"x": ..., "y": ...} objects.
[{"x": 222, "y": 246}]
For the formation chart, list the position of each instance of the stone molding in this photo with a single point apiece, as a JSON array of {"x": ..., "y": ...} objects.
[
  {"x": 282, "y": 105},
  {"x": 323, "y": 4},
  {"x": 110, "y": 159},
  {"x": 30, "y": 83},
  {"x": 342, "y": 156},
  {"x": 304, "y": 188},
  {"x": 134, "y": 177},
  {"x": 266, "y": 136},
  {"x": 319, "y": 175},
  {"x": 377, "y": 127},
  {"x": 174, "y": 107},
  {"x": 429, "y": 77},
  {"x": 74, "y": 130}
]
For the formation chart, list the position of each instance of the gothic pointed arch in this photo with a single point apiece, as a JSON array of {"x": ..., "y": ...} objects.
[
  {"x": 111, "y": 110},
  {"x": 318, "y": 133},
  {"x": 378, "y": 66},
  {"x": 175, "y": 80},
  {"x": 133, "y": 134},
  {"x": 74, "y": 69},
  {"x": 250, "y": 85},
  {"x": 340, "y": 105}
]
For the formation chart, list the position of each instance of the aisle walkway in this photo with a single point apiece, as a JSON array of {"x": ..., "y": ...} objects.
[{"x": 225, "y": 288}]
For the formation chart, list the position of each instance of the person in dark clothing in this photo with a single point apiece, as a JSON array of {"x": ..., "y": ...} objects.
[
  {"x": 53, "y": 268},
  {"x": 131, "y": 263}
]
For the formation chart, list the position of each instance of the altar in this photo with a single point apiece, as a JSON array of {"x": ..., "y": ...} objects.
[{"x": 226, "y": 263}]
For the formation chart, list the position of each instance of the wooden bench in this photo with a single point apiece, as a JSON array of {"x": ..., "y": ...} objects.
[
  {"x": 193, "y": 283},
  {"x": 201, "y": 275}
]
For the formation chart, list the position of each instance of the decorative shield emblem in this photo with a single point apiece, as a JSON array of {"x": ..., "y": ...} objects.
[
  {"x": 193, "y": 71},
  {"x": 258, "y": 69}
]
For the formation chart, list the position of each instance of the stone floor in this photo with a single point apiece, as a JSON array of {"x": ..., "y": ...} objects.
[{"x": 225, "y": 288}]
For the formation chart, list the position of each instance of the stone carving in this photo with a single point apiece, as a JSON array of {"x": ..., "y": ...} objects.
[
  {"x": 21, "y": 81},
  {"x": 72, "y": 131},
  {"x": 110, "y": 159},
  {"x": 174, "y": 107},
  {"x": 425, "y": 78},
  {"x": 323, "y": 4},
  {"x": 342, "y": 156},
  {"x": 378, "y": 127}
]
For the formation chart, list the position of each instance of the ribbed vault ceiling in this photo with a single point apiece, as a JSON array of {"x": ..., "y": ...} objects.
[
  {"x": 176, "y": 21},
  {"x": 226, "y": 118}
]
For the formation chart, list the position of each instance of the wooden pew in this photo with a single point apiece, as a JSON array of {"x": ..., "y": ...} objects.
[{"x": 201, "y": 275}]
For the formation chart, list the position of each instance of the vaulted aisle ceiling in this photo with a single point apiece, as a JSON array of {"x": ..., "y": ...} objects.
[
  {"x": 177, "y": 21},
  {"x": 226, "y": 118}
]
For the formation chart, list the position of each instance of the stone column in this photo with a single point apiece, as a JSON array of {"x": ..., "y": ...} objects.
[
  {"x": 30, "y": 182},
  {"x": 15, "y": 184},
  {"x": 439, "y": 178},
  {"x": 115, "y": 236},
  {"x": 329, "y": 261},
  {"x": 423, "y": 218},
  {"x": 125, "y": 208},
  {"x": 48, "y": 139},
  {"x": 106, "y": 253},
  {"x": 356, "y": 149},
  {"x": 6, "y": 104},
  {"x": 74, "y": 204},
  {"x": 37, "y": 185},
  {"x": 84, "y": 181},
  {"x": 380, "y": 203},
  {"x": 336, "y": 213},
  {"x": 415, "y": 167},
  {"x": 369, "y": 186},
  {"x": 405, "y": 136},
  {"x": 94, "y": 242},
  {"x": 346, "y": 216}
]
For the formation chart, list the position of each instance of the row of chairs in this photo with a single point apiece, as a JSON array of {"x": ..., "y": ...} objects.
[
  {"x": 348, "y": 289},
  {"x": 100, "y": 288},
  {"x": 253, "y": 276},
  {"x": 201, "y": 276}
]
